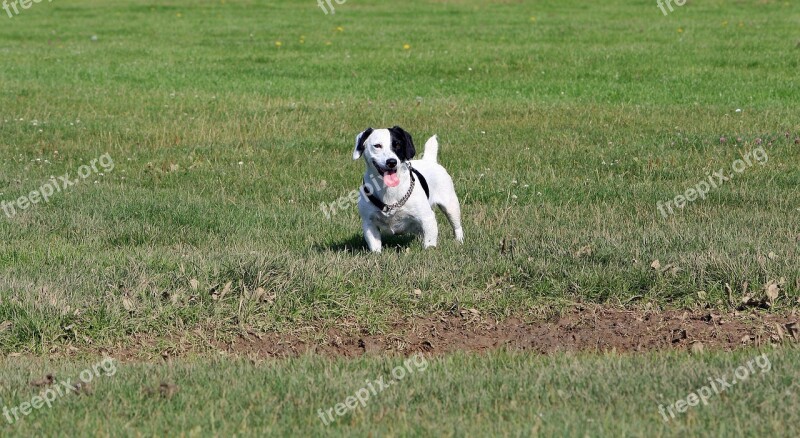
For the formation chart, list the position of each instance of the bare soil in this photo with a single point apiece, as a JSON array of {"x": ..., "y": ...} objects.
[{"x": 582, "y": 329}]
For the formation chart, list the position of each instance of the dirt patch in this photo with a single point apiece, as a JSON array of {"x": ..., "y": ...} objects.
[{"x": 581, "y": 329}]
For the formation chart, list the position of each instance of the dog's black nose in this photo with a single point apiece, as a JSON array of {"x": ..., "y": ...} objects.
[{"x": 391, "y": 163}]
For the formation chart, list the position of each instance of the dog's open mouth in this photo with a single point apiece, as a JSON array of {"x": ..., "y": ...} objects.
[{"x": 390, "y": 177}]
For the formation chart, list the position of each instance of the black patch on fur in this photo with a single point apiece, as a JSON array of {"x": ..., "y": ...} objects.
[
  {"x": 423, "y": 182},
  {"x": 402, "y": 144},
  {"x": 364, "y": 136}
]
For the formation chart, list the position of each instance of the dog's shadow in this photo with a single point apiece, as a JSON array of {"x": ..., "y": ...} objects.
[{"x": 356, "y": 243}]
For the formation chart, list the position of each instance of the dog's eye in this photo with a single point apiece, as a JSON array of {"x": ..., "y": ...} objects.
[{"x": 378, "y": 146}]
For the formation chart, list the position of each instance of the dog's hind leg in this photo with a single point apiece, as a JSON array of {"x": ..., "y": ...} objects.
[{"x": 453, "y": 212}]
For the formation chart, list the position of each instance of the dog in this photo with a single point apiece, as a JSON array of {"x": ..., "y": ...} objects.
[{"x": 398, "y": 194}]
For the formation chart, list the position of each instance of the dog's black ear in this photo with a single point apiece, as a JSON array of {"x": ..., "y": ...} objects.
[
  {"x": 360, "y": 139},
  {"x": 402, "y": 143}
]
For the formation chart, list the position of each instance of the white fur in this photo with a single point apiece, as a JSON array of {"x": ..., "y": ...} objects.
[{"x": 416, "y": 215}]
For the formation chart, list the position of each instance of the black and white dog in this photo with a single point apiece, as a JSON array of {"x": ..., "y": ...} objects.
[{"x": 398, "y": 195}]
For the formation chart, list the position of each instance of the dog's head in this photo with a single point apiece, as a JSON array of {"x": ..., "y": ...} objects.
[{"x": 384, "y": 150}]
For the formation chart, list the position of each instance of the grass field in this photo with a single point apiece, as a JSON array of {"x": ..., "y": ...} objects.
[
  {"x": 225, "y": 125},
  {"x": 513, "y": 395}
]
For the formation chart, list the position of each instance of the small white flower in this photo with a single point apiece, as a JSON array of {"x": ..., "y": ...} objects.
[{"x": 738, "y": 110}]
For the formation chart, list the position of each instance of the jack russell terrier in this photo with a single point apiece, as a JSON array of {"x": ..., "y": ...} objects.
[{"x": 398, "y": 195}]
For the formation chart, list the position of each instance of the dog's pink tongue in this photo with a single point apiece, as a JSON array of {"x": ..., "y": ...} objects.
[{"x": 391, "y": 179}]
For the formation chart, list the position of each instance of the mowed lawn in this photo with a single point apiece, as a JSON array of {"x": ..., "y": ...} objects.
[
  {"x": 570, "y": 128},
  {"x": 745, "y": 393}
]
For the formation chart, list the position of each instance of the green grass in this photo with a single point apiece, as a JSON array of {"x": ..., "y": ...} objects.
[
  {"x": 566, "y": 132},
  {"x": 563, "y": 123},
  {"x": 517, "y": 395}
]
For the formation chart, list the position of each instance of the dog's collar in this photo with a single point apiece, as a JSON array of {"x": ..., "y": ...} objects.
[{"x": 387, "y": 208}]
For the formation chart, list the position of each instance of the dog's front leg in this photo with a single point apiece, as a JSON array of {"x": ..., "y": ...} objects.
[
  {"x": 430, "y": 231},
  {"x": 373, "y": 236}
]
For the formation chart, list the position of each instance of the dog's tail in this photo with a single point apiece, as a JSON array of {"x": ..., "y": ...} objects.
[{"x": 431, "y": 150}]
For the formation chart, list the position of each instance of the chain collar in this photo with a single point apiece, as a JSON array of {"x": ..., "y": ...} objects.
[
  {"x": 402, "y": 201},
  {"x": 386, "y": 209}
]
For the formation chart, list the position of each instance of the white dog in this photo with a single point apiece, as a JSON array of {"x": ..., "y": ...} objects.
[{"x": 398, "y": 194}]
